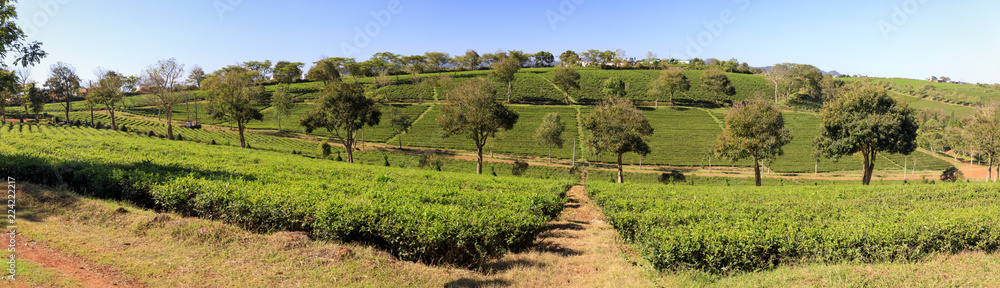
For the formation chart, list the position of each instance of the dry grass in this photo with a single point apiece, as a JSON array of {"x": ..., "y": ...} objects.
[{"x": 579, "y": 250}]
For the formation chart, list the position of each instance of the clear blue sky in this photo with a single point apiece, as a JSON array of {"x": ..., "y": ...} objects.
[{"x": 958, "y": 39}]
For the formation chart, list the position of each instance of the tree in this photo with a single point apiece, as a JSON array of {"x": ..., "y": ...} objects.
[
  {"x": 163, "y": 79},
  {"x": 930, "y": 135},
  {"x": 473, "y": 110},
  {"x": 549, "y": 133},
  {"x": 327, "y": 71},
  {"x": 232, "y": 97},
  {"x": 594, "y": 56},
  {"x": 282, "y": 102},
  {"x": 984, "y": 128},
  {"x": 778, "y": 74},
  {"x": 755, "y": 130},
  {"x": 616, "y": 126},
  {"x": 262, "y": 70},
  {"x": 566, "y": 78},
  {"x": 35, "y": 99},
  {"x": 614, "y": 87},
  {"x": 196, "y": 76},
  {"x": 544, "y": 59},
  {"x": 415, "y": 64},
  {"x": 10, "y": 87},
  {"x": 716, "y": 82},
  {"x": 437, "y": 60},
  {"x": 13, "y": 39},
  {"x": 670, "y": 80},
  {"x": 288, "y": 72},
  {"x": 344, "y": 111},
  {"x": 569, "y": 59},
  {"x": 64, "y": 83},
  {"x": 504, "y": 72},
  {"x": 401, "y": 122},
  {"x": 471, "y": 60},
  {"x": 521, "y": 57},
  {"x": 385, "y": 62},
  {"x": 868, "y": 121},
  {"x": 108, "y": 92}
]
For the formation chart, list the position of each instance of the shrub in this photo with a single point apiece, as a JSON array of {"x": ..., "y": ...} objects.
[
  {"x": 518, "y": 168},
  {"x": 124, "y": 128},
  {"x": 151, "y": 134},
  {"x": 672, "y": 177},
  {"x": 325, "y": 151},
  {"x": 952, "y": 175},
  {"x": 180, "y": 137}
]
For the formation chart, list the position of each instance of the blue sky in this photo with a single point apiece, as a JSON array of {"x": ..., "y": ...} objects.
[{"x": 897, "y": 38}]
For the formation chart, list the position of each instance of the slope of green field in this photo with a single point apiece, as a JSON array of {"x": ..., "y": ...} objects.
[
  {"x": 435, "y": 217},
  {"x": 518, "y": 141},
  {"x": 963, "y": 94},
  {"x": 638, "y": 86},
  {"x": 727, "y": 230},
  {"x": 290, "y": 123}
]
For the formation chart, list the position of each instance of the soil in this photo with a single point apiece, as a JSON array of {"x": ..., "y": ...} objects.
[{"x": 79, "y": 269}]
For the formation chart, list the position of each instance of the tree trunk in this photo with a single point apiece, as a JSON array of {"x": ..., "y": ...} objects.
[
  {"x": 989, "y": 171},
  {"x": 550, "y": 154},
  {"x": 775, "y": 91},
  {"x": 621, "y": 177},
  {"x": 114, "y": 124},
  {"x": 350, "y": 152},
  {"x": 867, "y": 177},
  {"x": 509, "y": 86},
  {"x": 566, "y": 94},
  {"x": 671, "y": 97},
  {"x": 91, "y": 116},
  {"x": 479, "y": 160},
  {"x": 170, "y": 124},
  {"x": 756, "y": 170},
  {"x": 400, "y": 140},
  {"x": 243, "y": 141},
  {"x": 278, "y": 115},
  {"x": 68, "y": 103}
]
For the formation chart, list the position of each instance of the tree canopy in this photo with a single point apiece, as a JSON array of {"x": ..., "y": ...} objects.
[
  {"x": 868, "y": 121},
  {"x": 232, "y": 97},
  {"x": 755, "y": 130},
  {"x": 344, "y": 111},
  {"x": 566, "y": 78},
  {"x": 617, "y": 127},
  {"x": 670, "y": 80},
  {"x": 473, "y": 110}
]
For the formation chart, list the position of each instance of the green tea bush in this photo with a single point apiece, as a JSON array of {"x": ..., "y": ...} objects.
[{"x": 726, "y": 230}]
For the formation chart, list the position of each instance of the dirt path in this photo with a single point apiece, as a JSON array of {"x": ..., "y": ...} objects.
[
  {"x": 71, "y": 266},
  {"x": 970, "y": 171},
  {"x": 579, "y": 249}
]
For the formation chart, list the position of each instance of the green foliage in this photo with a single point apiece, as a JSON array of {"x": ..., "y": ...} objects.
[
  {"x": 345, "y": 110},
  {"x": 434, "y": 217},
  {"x": 504, "y": 72},
  {"x": 670, "y": 80},
  {"x": 614, "y": 87},
  {"x": 728, "y": 230},
  {"x": 549, "y": 133},
  {"x": 566, "y": 78},
  {"x": 716, "y": 82},
  {"x": 868, "y": 121},
  {"x": 473, "y": 111},
  {"x": 617, "y": 127},
  {"x": 232, "y": 98},
  {"x": 755, "y": 130},
  {"x": 324, "y": 150}
]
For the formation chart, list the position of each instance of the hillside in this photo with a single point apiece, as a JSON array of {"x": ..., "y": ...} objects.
[
  {"x": 961, "y": 94},
  {"x": 417, "y": 215}
]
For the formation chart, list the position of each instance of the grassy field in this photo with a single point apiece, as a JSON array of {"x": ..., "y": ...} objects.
[
  {"x": 727, "y": 230},
  {"x": 518, "y": 141},
  {"x": 416, "y": 214},
  {"x": 947, "y": 92}
]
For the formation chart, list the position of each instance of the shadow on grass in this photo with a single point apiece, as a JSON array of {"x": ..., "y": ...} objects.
[{"x": 465, "y": 282}]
